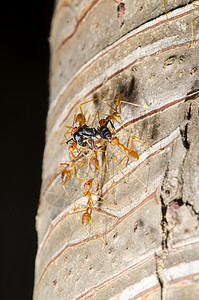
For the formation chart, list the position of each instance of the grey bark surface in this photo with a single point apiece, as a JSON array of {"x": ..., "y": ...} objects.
[{"x": 152, "y": 237}]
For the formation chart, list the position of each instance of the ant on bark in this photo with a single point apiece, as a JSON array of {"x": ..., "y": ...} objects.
[
  {"x": 70, "y": 168},
  {"x": 86, "y": 216},
  {"x": 83, "y": 131},
  {"x": 130, "y": 153}
]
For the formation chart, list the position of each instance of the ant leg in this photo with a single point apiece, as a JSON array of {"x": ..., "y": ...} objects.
[
  {"x": 65, "y": 138},
  {"x": 79, "y": 224},
  {"x": 78, "y": 177},
  {"x": 92, "y": 143},
  {"x": 90, "y": 177},
  {"x": 135, "y": 104},
  {"x": 91, "y": 101},
  {"x": 109, "y": 104},
  {"x": 112, "y": 204},
  {"x": 138, "y": 138},
  {"x": 70, "y": 140},
  {"x": 128, "y": 142},
  {"x": 114, "y": 118},
  {"x": 86, "y": 179},
  {"x": 105, "y": 174},
  {"x": 120, "y": 169},
  {"x": 106, "y": 158},
  {"x": 95, "y": 117},
  {"x": 127, "y": 161},
  {"x": 109, "y": 121},
  {"x": 102, "y": 201},
  {"x": 67, "y": 192},
  {"x": 138, "y": 179},
  {"x": 75, "y": 172},
  {"x": 96, "y": 165},
  {"x": 98, "y": 232},
  {"x": 166, "y": 11},
  {"x": 116, "y": 158},
  {"x": 79, "y": 211},
  {"x": 196, "y": 6},
  {"x": 138, "y": 141},
  {"x": 69, "y": 127}
]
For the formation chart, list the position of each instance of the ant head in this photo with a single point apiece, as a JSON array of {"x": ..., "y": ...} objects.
[
  {"x": 118, "y": 99},
  {"x": 114, "y": 141},
  {"x": 88, "y": 184},
  {"x": 65, "y": 174},
  {"x": 102, "y": 122},
  {"x": 72, "y": 146},
  {"x": 80, "y": 118}
]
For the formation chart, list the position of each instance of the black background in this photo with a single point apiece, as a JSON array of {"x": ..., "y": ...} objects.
[{"x": 24, "y": 49}]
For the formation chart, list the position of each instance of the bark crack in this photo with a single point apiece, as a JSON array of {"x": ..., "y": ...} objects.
[
  {"x": 161, "y": 275},
  {"x": 184, "y": 131},
  {"x": 192, "y": 208},
  {"x": 164, "y": 225}
]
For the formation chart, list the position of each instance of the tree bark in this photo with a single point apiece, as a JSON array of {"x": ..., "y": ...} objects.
[{"x": 152, "y": 237}]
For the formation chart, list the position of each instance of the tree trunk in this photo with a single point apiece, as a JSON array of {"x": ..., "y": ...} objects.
[{"x": 152, "y": 237}]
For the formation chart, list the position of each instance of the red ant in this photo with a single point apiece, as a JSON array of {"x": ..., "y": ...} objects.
[
  {"x": 70, "y": 167},
  {"x": 94, "y": 161},
  {"x": 106, "y": 134},
  {"x": 86, "y": 216},
  {"x": 82, "y": 132}
]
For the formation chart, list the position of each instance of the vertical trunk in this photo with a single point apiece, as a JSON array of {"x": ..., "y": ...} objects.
[{"x": 152, "y": 237}]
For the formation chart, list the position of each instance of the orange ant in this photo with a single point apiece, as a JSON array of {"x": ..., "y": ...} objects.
[
  {"x": 70, "y": 167},
  {"x": 117, "y": 102},
  {"x": 83, "y": 131},
  {"x": 196, "y": 6},
  {"x": 106, "y": 134},
  {"x": 86, "y": 216},
  {"x": 130, "y": 155},
  {"x": 93, "y": 161}
]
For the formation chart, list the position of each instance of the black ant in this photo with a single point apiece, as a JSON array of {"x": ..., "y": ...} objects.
[{"x": 83, "y": 133}]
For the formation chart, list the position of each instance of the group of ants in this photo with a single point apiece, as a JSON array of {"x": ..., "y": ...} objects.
[{"x": 86, "y": 143}]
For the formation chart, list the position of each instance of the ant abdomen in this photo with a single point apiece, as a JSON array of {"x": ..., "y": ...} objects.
[
  {"x": 80, "y": 118},
  {"x": 133, "y": 155},
  {"x": 104, "y": 132},
  {"x": 66, "y": 175},
  {"x": 86, "y": 218}
]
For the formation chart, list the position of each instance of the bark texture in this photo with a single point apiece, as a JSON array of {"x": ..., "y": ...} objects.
[{"x": 153, "y": 236}]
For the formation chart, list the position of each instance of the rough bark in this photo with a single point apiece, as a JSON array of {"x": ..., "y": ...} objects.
[{"x": 152, "y": 237}]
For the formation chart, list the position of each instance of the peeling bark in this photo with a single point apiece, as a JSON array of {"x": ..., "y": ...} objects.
[{"x": 152, "y": 237}]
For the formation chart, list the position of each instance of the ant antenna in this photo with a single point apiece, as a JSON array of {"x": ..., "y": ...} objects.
[{"x": 166, "y": 11}]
